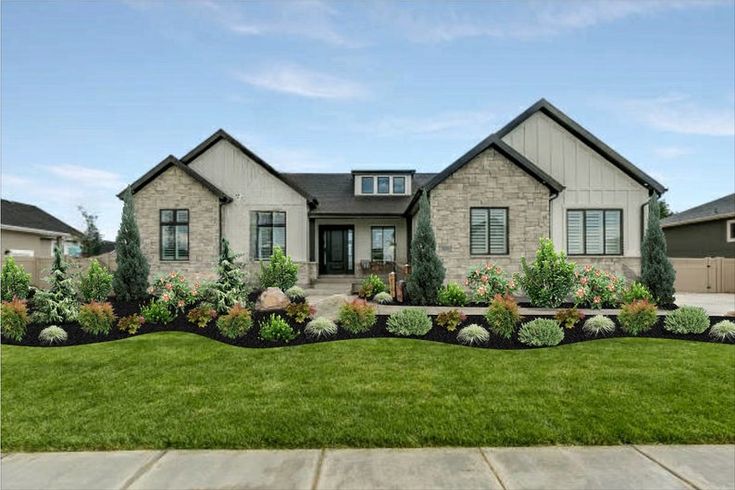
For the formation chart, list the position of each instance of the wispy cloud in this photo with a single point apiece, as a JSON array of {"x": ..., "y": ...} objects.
[
  {"x": 441, "y": 124},
  {"x": 681, "y": 114},
  {"x": 86, "y": 176},
  {"x": 291, "y": 79},
  {"x": 671, "y": 152}
]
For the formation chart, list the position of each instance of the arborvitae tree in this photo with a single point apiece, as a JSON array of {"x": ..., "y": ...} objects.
[
  {"x": 427, "y": 270},
  {"x": 657, "y": 273},
  {"x": 91, "y": 241},
  {"x": 131, "y": 277}
]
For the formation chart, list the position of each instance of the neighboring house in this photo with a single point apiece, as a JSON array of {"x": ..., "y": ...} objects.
[
  {"x": 541, "y": 175},
  {"x": 707, "y": 230},
  {"x": 28, "y": 231}
]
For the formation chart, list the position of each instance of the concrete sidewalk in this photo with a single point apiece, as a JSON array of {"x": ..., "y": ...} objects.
[{"x": 575, "y": 467}]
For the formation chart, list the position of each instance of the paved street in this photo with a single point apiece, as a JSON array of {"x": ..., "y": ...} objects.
[{"x": 573, "y": 467}]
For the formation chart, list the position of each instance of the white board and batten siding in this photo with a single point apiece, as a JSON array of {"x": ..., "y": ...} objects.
[
  {"x": 591, "y": 181},
  {"x": 253, "y": 188}
]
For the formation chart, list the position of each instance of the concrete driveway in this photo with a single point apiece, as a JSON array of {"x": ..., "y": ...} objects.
[{"x": 714, "y": 303}]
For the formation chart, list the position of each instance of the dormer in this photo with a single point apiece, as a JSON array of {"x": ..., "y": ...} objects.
[{"x": 383, "y": 182}]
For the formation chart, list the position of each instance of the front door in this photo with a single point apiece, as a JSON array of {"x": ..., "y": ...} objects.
[{"x": 336, "y": 250}]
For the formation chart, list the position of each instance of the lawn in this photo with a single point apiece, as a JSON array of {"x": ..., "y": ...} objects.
[{"x": 181, "y": 390}]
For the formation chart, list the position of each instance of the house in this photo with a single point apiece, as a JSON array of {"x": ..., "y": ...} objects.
[
  {"x": 29, "y": 231},
  {"x": 540, "y": 175},
  {"x": 707, "y": 230}
]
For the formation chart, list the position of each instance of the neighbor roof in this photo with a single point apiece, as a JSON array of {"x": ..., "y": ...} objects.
[
  {"x": 29, "y": 216},
  {"x": 723, "y": 207}
]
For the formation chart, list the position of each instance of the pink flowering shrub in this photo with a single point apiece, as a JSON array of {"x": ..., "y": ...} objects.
[
  {"x": 485, "y": 281},
  {"x": 596, "y": 288},
  {"x": 173, "y": 291}
]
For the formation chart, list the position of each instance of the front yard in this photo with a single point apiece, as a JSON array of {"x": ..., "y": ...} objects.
[{"x": 174, "y": 389}]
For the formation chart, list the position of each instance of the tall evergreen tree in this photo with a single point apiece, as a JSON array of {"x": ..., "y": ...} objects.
[
  {"x": 427, "y": 270},
  {"x": 664, "y": 211},
  {"x": 131, "y": 277},
  {"x": 58, "y": 277},
  {"x": 91, "y": 241},
  {"x": 657, "y": 273}
]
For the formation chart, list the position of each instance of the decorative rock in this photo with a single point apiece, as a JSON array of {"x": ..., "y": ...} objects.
[
  {"x": 272, "y": 299},
  {"x": 329, "y": 306}
]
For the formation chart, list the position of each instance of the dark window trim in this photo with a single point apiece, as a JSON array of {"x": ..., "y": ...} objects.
[
  {"x": 377, "y": 187},
  {"x": 507, "y": 231},
  {"x": 393, "y": 184},
  {"x": 362, "y": 184},
  {"x": 395, "y": 244},
  {"x": 604, "y": 229},
  {"x": 257, "y": 236},
  {"x": 175, "y": 222}
]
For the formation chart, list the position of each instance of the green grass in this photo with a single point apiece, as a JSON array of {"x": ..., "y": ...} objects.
[{"x": 180, "y": 390}]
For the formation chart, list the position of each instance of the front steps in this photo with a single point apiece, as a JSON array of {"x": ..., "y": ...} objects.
[{"x": 327, "y": 285}]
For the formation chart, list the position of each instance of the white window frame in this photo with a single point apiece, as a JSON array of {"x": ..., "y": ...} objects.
[{"x": 728, "y": 227}]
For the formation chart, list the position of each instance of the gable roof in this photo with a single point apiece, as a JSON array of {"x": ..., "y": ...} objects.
[
  {"x": 164, "y": 165},
  {"x": 21, "y": 215},
  {"x": 588, "y": 138},
  {"x": 723, "y": 207}
]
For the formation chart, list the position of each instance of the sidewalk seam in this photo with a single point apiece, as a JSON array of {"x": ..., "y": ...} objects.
[
  {"x": 143, "y": 470},
  {"x": 492, "y": 468},
  {"x": 318, "y": 472},
  {"x": 677, "y": 475}
]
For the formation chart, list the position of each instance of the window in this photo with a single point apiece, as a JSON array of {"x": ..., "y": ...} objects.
[
  {"x": 383, "y": 185},
  {"x": 367, "y": 185},
  {"x": 174, "y": 234},
  {"x": 267, "y": 229},
  {"x": 595, "y": 232},
  {"x": 489, "y": 231},
  {"x": 399, "y": 185},
  {"x": 731, "y": 230},
  {"x": 383, "y": 243}
]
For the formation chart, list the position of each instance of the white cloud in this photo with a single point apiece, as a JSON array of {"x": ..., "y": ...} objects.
[
  {"x": 439, "y": 124},
  {"x": 299, "y": 81},
  {"x": 671, "y": 152},
  {"x": 86, "y": 176},
  {"x": 680, "y": 114}
]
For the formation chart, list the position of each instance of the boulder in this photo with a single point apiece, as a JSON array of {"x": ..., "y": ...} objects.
[
  {"x": 272, "y": 299},
  {"x": 329, "y": 306}
]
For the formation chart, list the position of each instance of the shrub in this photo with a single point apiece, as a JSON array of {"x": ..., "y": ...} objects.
[
  {"x": 723, "y": 331},
  {"x": 549, "y": 279},
  {"x": 52, "y": 335},
  {"x": 235, "y": 323},
  {"x": 598, "y": 326},
  {"x": 485, "y": 281},
  {"x": 300, "y": 312},
  {"x": 450, "y": 320},
  {"x": 172, "y": 291},
  {"x": 320, "y": 327},
  {"x": 281, "y": 272},
  {"x": 201, "y": 315},
  {"x": 96, "y": 318},
  {"x": 569, "y": 317},
  {"x": 541, "y": 332},
  {"x": 130, "y": 324},
  {"x": 14, "y": 319},
  {"x": 59, "y": 303},
  {"x": 636, "y": 291},
  {"x": 383, "y": 298},
  {"x": 131, "y": 276},
  {"x": 15, "y": 281},
  {"x": 96, "y": 284},
  {"x": 157, "y": 312},
  {"x": 295, "y": 293},
  {"x": 357, "y": 316},
  {"x": 231, "y": 286},
  {"x": 371, "y": 286},
  {"x": 473, "y": 335},
  {"x": 503, "y": 315},
  {"x": 409, "y": 321},
  {"x": 427, "y": 270},
  {"x": 596, "y": 288},
  {"x": 452, "y": 295},
  {"x": 637, "y": 317},
  {"x": 687, "y": 319},
  {"x": 657, "y": 273},
  {"x": 276, "y": 329}
]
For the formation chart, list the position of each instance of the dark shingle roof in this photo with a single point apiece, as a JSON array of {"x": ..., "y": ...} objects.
[
  {"x": 30, "y": 216},
  {"x": 336, "y": 195},
  {"x": 717, "y": 209}
]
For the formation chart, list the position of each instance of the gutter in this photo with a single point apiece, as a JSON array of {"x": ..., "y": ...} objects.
[{"x": 36, "y": 231}]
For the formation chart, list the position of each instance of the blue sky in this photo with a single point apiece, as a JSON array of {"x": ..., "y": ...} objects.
[{"x": 96, "y": 93}]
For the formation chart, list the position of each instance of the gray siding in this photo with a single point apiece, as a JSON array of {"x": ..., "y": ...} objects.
[{"x": 698, "y": 240}]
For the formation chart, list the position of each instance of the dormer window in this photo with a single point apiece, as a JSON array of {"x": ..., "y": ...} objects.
[
  {"x": 367, "y": 185},
  {"x": 399, "y": 185},
  {"x": 383, "y": 185}
]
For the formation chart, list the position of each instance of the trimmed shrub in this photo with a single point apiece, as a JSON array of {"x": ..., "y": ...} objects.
[
  {"x": 687, "y": 319},
  {"x": 503, "y": 315},
  {"x": 320, "y": 327},
  {"x": 14, "y": 319},
  {"x": 15, "y": 281},
  {"x": 723, "y": 331},
  {"x": 300, "y": 312},
  {"x": 541, "y": 332},
  {"x": 201, "y": 315},
  {"x": 383, "y": 298},
  {"x": 569, "y": 317},
  {"x": 157, "y": 312},
  {"x": 276, "y": 329},
  {"x": 473, "y": 335},
  {"x": 52, "y": 335},
  {"x": 636, "y": 291},
  {"x": 130, "y": 324},
  {"x": 96, "y": 318},
  {"x": 596, "y": 288},
  {"x": 235, "y": 323},
  {"x": 130, "y": 279},
  {"x": 637, "y": 317},
  {"x": 357, "y": 316},
  {"x": 487, "y": 280},
  {"x": 657, "y": 273},
  {"x": 450, "y": 320},
  {"x": 409, "y": 321},
  {"x": 370, "y": 286},
  {"x": 96, "y": 284},
  {"x": 280, "y": 272},
  {"x": 295, "y": 293},
  {"x": 549, "y": 279},
  {"x": 427, "y": 270},
  {"x": 452, "y": 295},
  {"x": 599, "y": 325}
]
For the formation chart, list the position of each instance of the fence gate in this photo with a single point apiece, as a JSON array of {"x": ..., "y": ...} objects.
[{"x": 707, "y": 275}]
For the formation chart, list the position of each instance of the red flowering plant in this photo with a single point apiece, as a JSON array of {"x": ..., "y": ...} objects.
[
  {"x": 487, "y": 280},
  {"x": 173, "y": 291},
  {"x": 596, "y": 288}
]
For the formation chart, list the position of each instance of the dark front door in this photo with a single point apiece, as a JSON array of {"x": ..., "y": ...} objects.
[{"x": 336, "y": 250}]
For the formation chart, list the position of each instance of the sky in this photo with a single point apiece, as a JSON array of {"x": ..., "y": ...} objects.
[{"x": 94, "y": 94}]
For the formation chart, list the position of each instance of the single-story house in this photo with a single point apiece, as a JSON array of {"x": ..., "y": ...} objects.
[
  {"x": 707, "y": 230},
  {"x": 541, "y": 175},
  {"x": 29, "y": 231}
]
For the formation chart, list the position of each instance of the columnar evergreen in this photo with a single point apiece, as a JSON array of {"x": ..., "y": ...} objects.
[
  {"x": 427, "y": 270},
  {"x": 131, "y": 277},
  {"x": 657, "y": 273}
]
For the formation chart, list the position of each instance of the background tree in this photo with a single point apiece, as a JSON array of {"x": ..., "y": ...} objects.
[
  {"x": 664, "y": 210},
  {"x": 131, "y": 277},
  {"x": 657, "y": 273},
  {"x": 427, "y": 270},
  {"x": 91, "y": 240}
]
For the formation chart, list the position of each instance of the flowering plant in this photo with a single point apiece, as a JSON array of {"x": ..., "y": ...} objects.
[
  {"x": 174, "y": 292},
  {"x": 487, "y": 280},
  {"x": 596, "y": 288}
]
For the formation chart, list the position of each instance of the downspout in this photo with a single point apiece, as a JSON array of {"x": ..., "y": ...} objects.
[
  {"x": 220, "y": 226},
  {"x": 551, "y": 198}
]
